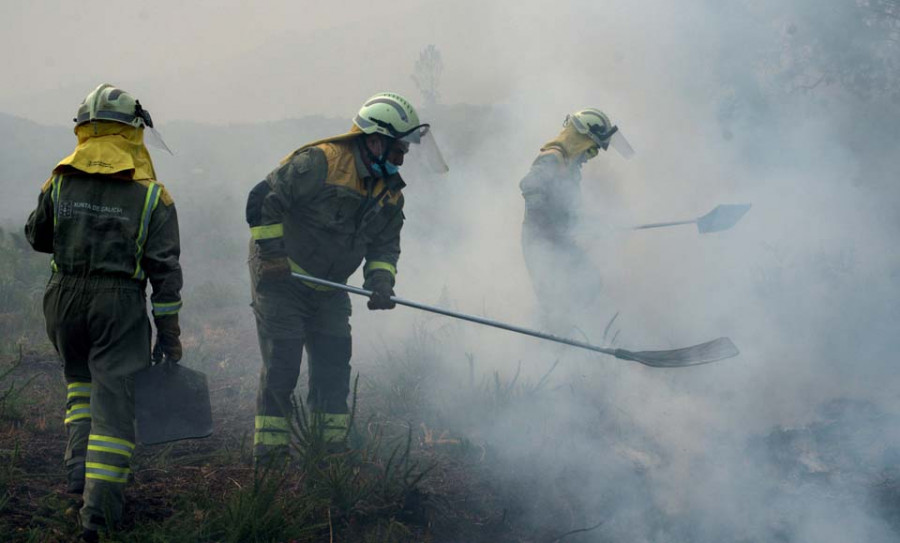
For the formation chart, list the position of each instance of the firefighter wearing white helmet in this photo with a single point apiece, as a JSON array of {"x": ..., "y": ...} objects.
[
  {"x": 327, "y": 208},
  {"x": 111, "y": 228},
  {"x": 552, "y": 192}
]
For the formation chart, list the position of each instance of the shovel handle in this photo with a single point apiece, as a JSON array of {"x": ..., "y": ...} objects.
[{"x": 663, "y": 224}]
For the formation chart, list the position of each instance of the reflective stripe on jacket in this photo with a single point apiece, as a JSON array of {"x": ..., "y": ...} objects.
[{"x": 96, "y": 224}]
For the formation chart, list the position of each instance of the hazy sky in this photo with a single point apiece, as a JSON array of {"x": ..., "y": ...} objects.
[
  {"x": 222, "y": 61},
  {"x": 240, "y": 61}
]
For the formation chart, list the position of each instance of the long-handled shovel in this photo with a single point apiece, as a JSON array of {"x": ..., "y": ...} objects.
[
  {"x": 721, "y": 218},
  {"x": 703, "y": 353}
]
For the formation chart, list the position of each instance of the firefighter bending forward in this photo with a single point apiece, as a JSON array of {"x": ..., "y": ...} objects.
[
  {"x": 327, "y": 207},
  {"x": 565, "y": 281},
  {"x": 110, "y": 227}
]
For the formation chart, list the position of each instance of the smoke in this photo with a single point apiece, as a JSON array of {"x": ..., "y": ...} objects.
[{"x": 803, "y": 284}]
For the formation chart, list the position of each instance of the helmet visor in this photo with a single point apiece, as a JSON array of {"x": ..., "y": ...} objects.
[
  {"x": 428, "y": 152},
  {"x": 601, "y": 136},
  {"x": 154, "y": 139},
  {"x": 427, "y": 149},
  {"x": 414, "y": 135},
  {"x": 618, "y": 142}
]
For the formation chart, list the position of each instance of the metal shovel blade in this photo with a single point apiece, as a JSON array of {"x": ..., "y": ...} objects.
[
  {"x": 721, "y": 218},
  {"x": 704, "y": 353},
  {"x": 171, "y": 404}
]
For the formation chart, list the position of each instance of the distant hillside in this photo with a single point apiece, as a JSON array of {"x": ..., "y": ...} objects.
[
  {"x": 208, "y": 158},
  {"x": 25, "y": 152}
]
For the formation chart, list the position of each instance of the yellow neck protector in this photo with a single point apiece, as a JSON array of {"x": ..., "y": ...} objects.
[
  {"x": 571, "y": 144},
  {"x": 106, "y": 147}
]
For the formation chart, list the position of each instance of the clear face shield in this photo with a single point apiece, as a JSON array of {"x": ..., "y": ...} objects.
[
  {"x": 618, "y": 142},
  {"x": 151, "y": 136},
  {"x": 426, "y": 150},
  {"x": 610, "y": 138}
]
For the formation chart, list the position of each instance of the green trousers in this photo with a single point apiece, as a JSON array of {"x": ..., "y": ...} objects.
[
  {"x": 291, "y": 316},
  {"x": 100, "y": 329}
]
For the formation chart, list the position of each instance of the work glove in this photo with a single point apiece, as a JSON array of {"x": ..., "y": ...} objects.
[
  {"x": 273, "y": 269},
  {"x": 168, "y": 344},
  {"x": 381, "y": 283}
]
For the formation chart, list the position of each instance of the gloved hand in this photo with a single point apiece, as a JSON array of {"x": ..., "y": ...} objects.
[
  {"x": 273, "y": 269},
  {"x": 168, "y": 344},
  {"x": 381, "y": 283}
]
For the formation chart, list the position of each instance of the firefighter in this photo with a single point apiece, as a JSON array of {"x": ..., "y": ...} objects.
[
  {"x": 562, "y": 275},
  {"x": 111, "y": 228},
  {"x": 328, "y": 206}
]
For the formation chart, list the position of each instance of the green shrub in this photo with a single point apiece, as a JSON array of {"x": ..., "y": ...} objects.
[
  {"x": 11, "y": 397},
  {"x": 23, "y": 275}
]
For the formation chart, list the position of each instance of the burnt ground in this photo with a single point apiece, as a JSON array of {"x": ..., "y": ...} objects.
[
  {"x": 207, "y": 490},
  {"x": 409, "y": 478}
]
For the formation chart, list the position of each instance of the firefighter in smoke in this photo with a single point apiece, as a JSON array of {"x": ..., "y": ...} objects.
[
  {"x": 111, "y": 228},
  {"x": 562, "y": 275},
  {"x": 327, "y": 207}
]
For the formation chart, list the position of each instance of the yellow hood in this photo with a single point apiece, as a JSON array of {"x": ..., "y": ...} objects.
[
  {"x": 570, "y": 142},
  {"x": 354, "y": 132},
  {"x": 107, "y": 147}
]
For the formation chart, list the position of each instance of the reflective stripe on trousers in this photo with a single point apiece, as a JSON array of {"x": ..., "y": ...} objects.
[
  {"x": 78, "y": 402},
  {"x": 271, "y": 431},
  {"x": 334, "y": 426}
]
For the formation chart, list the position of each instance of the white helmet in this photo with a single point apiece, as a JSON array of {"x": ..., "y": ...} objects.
[
  {"x": 596, "y": 125},
  {"x": 392, "y": 115},
  {"x": 108, "y": 103}
]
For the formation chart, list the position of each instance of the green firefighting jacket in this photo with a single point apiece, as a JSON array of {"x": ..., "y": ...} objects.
[
  {"x": 110, "y": 224},
  {"x": 323, "y": 211}
]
